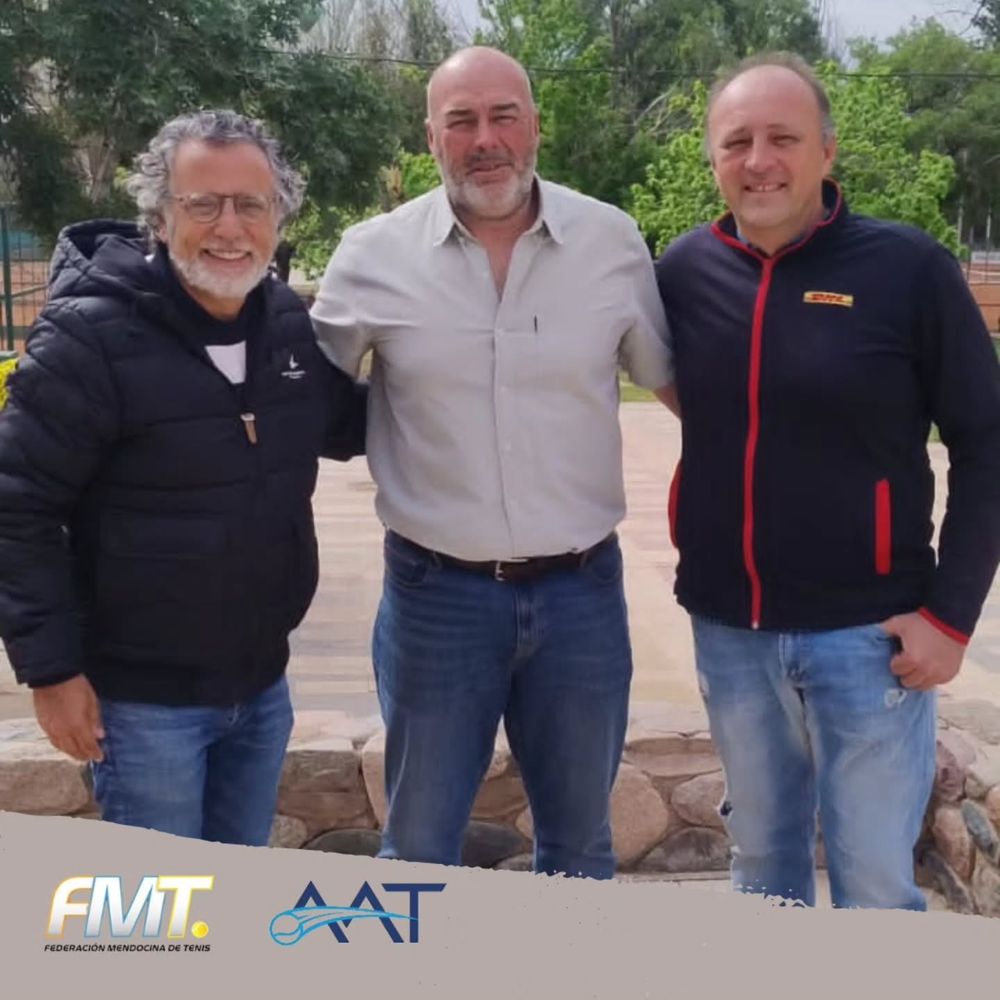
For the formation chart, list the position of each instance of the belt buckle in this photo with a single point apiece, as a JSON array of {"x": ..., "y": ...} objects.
[{"x": 498, "y": 573}]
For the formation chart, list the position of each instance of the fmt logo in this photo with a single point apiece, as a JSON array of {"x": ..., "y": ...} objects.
[
  {"x": 105, "y": 899},
  {"x": 291, "y": 926}
]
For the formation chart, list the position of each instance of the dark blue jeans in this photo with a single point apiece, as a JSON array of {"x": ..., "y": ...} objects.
[
  {"x": 455, "y": 652},
  {"x": 204, "y": 772}
]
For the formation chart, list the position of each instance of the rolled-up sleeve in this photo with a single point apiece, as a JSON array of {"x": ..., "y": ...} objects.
[{"x": 337, "y": 313}]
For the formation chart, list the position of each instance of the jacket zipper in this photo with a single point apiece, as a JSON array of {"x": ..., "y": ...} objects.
[
  {"x": 753, "y": 435},
  {"x": 753, "y": 396},
  {"x": 250, "y": 426},
  {"x": 247, "y": 417},
  {"x": 753, "y": 416}
]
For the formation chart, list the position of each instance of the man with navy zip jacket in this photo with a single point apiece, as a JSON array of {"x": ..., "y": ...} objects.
[
  {"x": 815, "y": 348},
  {"x": 158, "y": 454}
]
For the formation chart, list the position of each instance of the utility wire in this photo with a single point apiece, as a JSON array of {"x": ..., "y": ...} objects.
[{"x": 356, "y": 57}]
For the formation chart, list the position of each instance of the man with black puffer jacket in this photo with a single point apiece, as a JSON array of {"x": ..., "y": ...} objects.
[
  {"x": 814, "y": 349},
  {"x": 158, "y": 455}
]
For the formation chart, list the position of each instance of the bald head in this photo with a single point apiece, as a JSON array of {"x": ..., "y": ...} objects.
[
  {"x": 477, "y": 68},
  {"x": 775, "y": 65}
]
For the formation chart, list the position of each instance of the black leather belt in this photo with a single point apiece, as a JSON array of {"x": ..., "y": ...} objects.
[{"x": 514, "y": 570}]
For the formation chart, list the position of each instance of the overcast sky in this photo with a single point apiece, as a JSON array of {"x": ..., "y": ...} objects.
[{"x": 882, "y": 18}]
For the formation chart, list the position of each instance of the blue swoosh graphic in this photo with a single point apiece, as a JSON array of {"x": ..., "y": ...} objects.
[{"x": 306, "y": 919}]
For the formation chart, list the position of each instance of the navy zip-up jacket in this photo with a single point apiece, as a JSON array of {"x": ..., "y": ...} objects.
[
  {"x": 808, "y": 382},
  {"x": 152, "y": 537}
]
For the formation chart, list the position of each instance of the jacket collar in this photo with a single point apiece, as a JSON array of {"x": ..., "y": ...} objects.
[{"x": 725, "y": 228}]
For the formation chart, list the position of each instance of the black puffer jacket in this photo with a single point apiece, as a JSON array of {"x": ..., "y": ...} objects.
[{"x": 145, "y": 539}]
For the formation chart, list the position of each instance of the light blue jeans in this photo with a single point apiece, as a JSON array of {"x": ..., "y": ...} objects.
[
  {"x": 455, "y": 652},
  {"x": 195, "y": 771},
  {"x": 816, "y": 722}
]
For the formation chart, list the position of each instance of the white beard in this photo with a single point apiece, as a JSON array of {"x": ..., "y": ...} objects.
[
  {"x": 199, "y": 275},
  {"x": 494, "y": 201}
]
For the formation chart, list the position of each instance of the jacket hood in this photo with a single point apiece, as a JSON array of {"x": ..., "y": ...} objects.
[
  {"x": 111, "y": 259},
  {"x": 102, "y": 257}
]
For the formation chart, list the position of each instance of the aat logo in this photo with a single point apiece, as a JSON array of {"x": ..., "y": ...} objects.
[
  {"x": 100, "y": 902},
  {"x": 311, "y": 913}
]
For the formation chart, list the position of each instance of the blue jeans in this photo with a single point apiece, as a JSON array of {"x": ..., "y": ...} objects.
[
  {"x": 455, "y": 651},
  {"x": 816, "y": 721},
  {"x": 204, "y": 772}
]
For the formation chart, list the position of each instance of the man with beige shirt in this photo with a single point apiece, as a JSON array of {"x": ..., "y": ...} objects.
[{"x": 498, "y": 308}]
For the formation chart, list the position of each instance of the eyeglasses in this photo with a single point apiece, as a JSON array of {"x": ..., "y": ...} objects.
[{"x": 208, "y": 207}]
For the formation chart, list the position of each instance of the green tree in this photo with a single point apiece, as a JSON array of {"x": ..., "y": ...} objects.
[
  {"x": 986, "y": 18},
  {"x": 418, "y": 174},
  {"x": 18, "y": 50},
  {"x": 392, "y": 33},
  {"x": 662, "y": 42},
  {"x": 406, "y": 36},
  {"x": 679, "y": 191},
  {"x": 103, "y": 91},
  {"x": 880, "y": 175},
  {"x": 952, "y": 95},
  {"x": 319, "y": 226},
  {"x": 604, "y": 70},
  {"x": 589, "y": 140},
  {"x": 36, "y": 161}
]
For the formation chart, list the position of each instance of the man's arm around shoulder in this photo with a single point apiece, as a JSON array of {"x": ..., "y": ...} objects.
[{"x": 338, "y": 319}]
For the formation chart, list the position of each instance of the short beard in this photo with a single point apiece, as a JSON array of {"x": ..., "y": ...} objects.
[
  {"x": 490, "y": 203},
  {"x": 197, "y": 275}
]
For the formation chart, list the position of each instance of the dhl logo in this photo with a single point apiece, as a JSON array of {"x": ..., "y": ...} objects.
[{"x": 829, "y": 299}]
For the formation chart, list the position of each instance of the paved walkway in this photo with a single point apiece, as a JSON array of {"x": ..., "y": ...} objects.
[{"x": 330, "y": 665}]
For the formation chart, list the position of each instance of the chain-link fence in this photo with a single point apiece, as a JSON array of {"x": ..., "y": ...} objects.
[
  {"x": 982, "y": 269},
  {"x": 23, "y": 278}
]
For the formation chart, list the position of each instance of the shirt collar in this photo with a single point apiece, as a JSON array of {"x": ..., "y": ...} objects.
[{"x": 444, "y": 222}]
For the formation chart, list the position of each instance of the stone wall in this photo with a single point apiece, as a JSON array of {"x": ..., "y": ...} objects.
[
  {"x": 664, "y": 805},
  {"x": 959, "y": 854}
]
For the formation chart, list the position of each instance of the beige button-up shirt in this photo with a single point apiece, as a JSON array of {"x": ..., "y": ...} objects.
[{"x": 493, "y": 420}]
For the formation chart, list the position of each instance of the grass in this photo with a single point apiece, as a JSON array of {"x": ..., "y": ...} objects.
[{"x": 632, "y": 393}]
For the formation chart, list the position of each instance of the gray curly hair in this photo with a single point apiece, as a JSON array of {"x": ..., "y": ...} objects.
[{"x": 149, "y": 182}]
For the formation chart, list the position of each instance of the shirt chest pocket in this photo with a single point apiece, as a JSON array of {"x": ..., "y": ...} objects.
[{"x": 573, "y": 345}]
